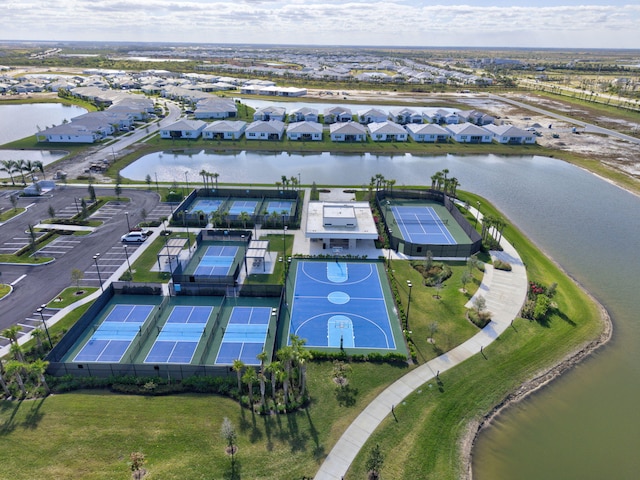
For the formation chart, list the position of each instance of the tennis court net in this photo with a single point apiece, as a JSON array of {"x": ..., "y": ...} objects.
[{"x": 422, "y": 221}]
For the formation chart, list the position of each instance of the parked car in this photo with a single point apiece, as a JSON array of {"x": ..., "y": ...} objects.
[
  {"x": 133, "y": 237},
  {"x": 145, "y": 231}
]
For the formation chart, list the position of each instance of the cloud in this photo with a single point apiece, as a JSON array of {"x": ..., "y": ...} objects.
[{"x": 356, "y": 22}]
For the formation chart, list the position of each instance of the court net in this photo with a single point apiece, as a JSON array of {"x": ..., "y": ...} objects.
[{"x": 422, "y": 221}]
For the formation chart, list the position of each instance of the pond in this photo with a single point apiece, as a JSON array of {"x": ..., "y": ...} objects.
[{"x": 20, "y": 121}]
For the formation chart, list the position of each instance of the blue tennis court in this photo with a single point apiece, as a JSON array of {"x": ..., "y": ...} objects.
[
  {"x": 422, "y": 225},
  {"x": 113, "y": 336},
  {"x": 179, "y": 338},
  {"x": 217, "y": 260},
  {"x": 280, "y": 206},
  {"x": 340, "y": 304},
  {"x": 245, "y": 335},
  {"x": 206, "y": 205},
  {"x": 240, "y": 206}
]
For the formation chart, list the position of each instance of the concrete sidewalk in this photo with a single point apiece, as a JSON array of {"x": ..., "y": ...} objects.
[{"x": 505, "y": 293}]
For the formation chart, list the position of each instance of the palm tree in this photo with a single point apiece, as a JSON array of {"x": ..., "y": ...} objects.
[
  {"x": 274, "y": 217},
  {"x": 237, "y": 366},
  {"x": 215, "y": 176},
  {"x": 39, "y": 166},
  {"x": 262, "y": 356},
  {"x": 244, "y": 217},
  {"x": 205, "y": 175},
  {"x": 20, "y": 167},
  {"x": 285, "y": 355},
  {"x": 16, "y": 351},
  {"x": 453, "y": 185},
  {"x": 38, "y": 334},
  {"x": 38, "y": 368},
  {"x": 274, "y": 368},
  {"x": 250, "y": 377},
  {"x": 9, "y": 166},
  {"x": 15, "y": 369},
  {"x": 303, "y": 357},
  {"x": 11, "y": 333},
  {"x": 3, "y": 382}
]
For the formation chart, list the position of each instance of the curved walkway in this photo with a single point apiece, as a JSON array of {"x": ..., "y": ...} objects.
[{"x": 505, "y": 293}]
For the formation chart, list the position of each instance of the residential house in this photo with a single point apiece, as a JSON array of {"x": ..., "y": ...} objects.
[
  {"x": 89, "y": 129},
  {"x": 387, "y": 132},
  {"x": 304, "y": 131},
  {"x": 224, "y": 130},
  {"x": 304, "y": 114},
  {"x": 469, "y": 133},
  {"x": 348, "y": 132},
  {"x": 270, "y": 113},
  {"x": 263, "y": 130},
  {"x": 476, "y": 117},
  {"x": 509, "y": 134},
  {"x": 337, "y": 114},
  {"x": 405, "y": 115},
  {"x": 372, "y": 115},
  {"x": 183, "y": 129},
  {"x": 216, "y": 108},
  {"x": 441, "y": 116},
  {"x": 428, "y": 132}
]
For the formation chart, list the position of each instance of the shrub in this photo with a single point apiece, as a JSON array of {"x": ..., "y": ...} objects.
[
  {"x": 479, "y": 319},
  {"x": 500, "y": 265}
]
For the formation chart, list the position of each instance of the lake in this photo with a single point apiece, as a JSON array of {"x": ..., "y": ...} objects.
[
  {"x": 584, "y": 425},
  {"x": 20, "y": 121}
]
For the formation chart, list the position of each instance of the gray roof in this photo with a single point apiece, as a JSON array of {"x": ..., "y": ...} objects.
[{"x": 304, "y": 127}]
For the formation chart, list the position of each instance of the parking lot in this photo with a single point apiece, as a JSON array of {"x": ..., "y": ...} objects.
[{"x": 35, "y": 285}]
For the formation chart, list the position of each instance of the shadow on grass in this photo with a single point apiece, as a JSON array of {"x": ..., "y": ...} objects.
[
  {"x": 234, "y": 470},
  {"x": 346, "y": 395},
  {"x": 34, "y": 416},
  {"x": 318, "y": 449},
  {"x": 10, "y": 408}
]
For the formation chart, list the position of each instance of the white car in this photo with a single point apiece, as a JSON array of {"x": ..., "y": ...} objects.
[{"x": 133, "y": 237}]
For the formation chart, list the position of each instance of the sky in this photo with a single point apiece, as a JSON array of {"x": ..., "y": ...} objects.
[{"x": 414, "y": 23}]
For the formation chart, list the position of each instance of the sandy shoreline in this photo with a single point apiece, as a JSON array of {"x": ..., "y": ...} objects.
[{"x": 538, "y": 382}]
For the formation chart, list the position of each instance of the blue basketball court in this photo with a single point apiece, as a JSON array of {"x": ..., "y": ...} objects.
[
  {"x": 280, "y": 206},
  {"x": 421, "y": 225},
  {"x": 245, "y": 335},
  {"x": 239, "y": 206},
  {"x": 114, "y": 335},
  {"x": 179, "y": 338},
  {"x": 206, "y": 205},
  {"x": 217, "y": 260},
  {"x": 340, "y": 304}
]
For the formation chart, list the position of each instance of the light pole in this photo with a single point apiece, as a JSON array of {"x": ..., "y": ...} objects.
[
  {"x": 284, "y": 241},
  {"x": 186, "y": 179},
  {"x": 406, "y": 320},
  {"x": 77, "y": 208},
  {"x": 299, "y": 181},
  {"x": 95, "y": 259},
  {"x": 126, "y": 254},
  {"x": 477, "y": 213},
  {"x": 39, "y": 310},
  {"x": 389, "y": 255},
  {"x": 126, "y": 214}
]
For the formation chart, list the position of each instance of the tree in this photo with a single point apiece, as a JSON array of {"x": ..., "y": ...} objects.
[
  {"x": 244, "y": 217},
  {"x": 15, "y": 369},
  {"x": 374, "y": 463},
  {"x": 238, "y": 366},
  {"x": 118, "y": 187},
  {"x": 16, "y": 351},
  {"x": 205, "y": 176},
  {"x": 39, "y": 166},
  {"x": 228, "y": 433},
  {"x": 37, "y": 368},
  {"x": 464, "y": 279},
  {"x": 92, "y": 193},
  {"x": 38, "y": 335},
  {"x": 432, "y": 328},
  {"x": 136, "y": 463},
  {"x": 76, "y": 277},
  {"x": 285, "y": 355},
  {"x": 479, "y": 304},
  {"x": 84, "y": 209},
  {"x": 274, "y": 369},
  {"x": 250, "y": 377},
  {"x": 215, "y": 176},
  {"x": 3, "y": 381},
  {"x": 51, "y": 211},
  {"x": 14, "y": 201},
  {"x": 11, "y": 333},
  {"x": 428, "y": 261},
  {"x": 11, "y": 167},
  {"x": 148, "y": 180}
]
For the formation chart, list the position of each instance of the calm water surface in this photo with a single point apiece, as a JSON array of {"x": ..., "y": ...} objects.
[
  {"x": 585, "y": 425},
  {"x": 20, "y": 121}
]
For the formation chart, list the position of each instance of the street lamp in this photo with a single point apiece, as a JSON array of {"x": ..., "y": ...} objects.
[
  {"x": 186, "y": 179},
  {"x": 299, "y": 181},
  {"x": 389, "y": 255},
  {"x": 95, "y": 259},
  {"x": 477, "y": 213},
  {"x": 406, "y": 320},
  {"x": 39, "y": 310},
  {"x": 126, "y": 254},
  {"x": 77, "y": 207},
  {"x": 126, "y": 214},
  {"x": 284, "y": 242}
]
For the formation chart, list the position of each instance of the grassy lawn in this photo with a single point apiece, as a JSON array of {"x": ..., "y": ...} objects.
[
  {"x": 91, "y": 434},
  {"x": 4, "y": 290},
  {"x": 141, "y": 268},
  {"x": 4, "y": 216},
  {"x": 425, "y": 442},
  {"x": 70, "y": 295}
]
